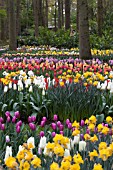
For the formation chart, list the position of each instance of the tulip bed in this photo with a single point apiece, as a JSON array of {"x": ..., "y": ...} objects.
[{"x": 41, "y": 95}]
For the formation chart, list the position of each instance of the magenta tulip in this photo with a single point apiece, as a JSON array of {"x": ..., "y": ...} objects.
[
  {"x": 55, "y": 117},
  {"x": 41, "y": 133},
  {"x": 17, "y": 114},
  {"x": 53, "y": 125}
]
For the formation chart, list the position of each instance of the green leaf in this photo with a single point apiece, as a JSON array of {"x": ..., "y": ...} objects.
[
  {"x": 20, "y": 97},
  {"x": 100, "y": 118},
  {"x": 4, "y": 107},
  {"x": 15, "y": 106},
  {"x": 12, "y": 113}
]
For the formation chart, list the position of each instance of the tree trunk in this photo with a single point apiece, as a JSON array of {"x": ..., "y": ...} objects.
[
  {"x": 100, "y": 16},
  {"x": 2, "y": 22},
  {"x": 59, "y": 14},
  {"x": 84, "y": 42},
  {"x": 77, "y": 15},
  {"x": 40, "y": 13},
  {"x": 12, "y": 26},
  {"x": 36, "y": 16},
  {"x": 46, "y": 14},
  {"x": 67, "y": 14},
  {"x": 18, "y": 21},
  {"x": 55, "y": 16},
  {"x": 62, "y": 6}
]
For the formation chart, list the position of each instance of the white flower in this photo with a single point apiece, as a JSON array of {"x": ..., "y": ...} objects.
[
  {"x": 10, "y": 85},
  {"x": 109, "y": 85},
  {"x": 8, "y": 152},
  {"x": 7, "y": 138},
  {"x": 30, "y": 73},
  {"x": 21, "y": 72},
  {"x": 42, "y": 143},
  {"x": 30, "y": 89},
  {"x": 53, "y": 82},
  {"x": 14, "y": 86},
  {"x": 43, "y": 92},
  {"x": 48, "y": 80},
  {"x": 76, "y": 139},
  {"x": 67, "y": 152},
  {"x": 82, "y": 146},
  {"x": 5, "y": 89},
  {"x": 21, "y": 148},
  {"x": 98, "y": 85},
  {"x": 32, "y": 141},
  {"x": 47, "y": 153},
  {"x": 103, "y": 86},
  {"x": 5, "y": 73}
]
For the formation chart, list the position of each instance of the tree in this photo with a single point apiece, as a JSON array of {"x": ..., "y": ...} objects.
[
  {"x": 12, "y": 25},
  {"x": 36, "y": 16},
  {"x": 59, "y": 14},
  {"x": 84, "y": 42},
  {"x": 67, "y": 14},
  {"x": 100, "y": 16},
  {"x": 18, "y": 21}
]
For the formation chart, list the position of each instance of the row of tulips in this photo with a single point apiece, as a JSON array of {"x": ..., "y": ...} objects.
[
  {"x": 54, "y": 145},
  {"x": 47, "y": 50}
]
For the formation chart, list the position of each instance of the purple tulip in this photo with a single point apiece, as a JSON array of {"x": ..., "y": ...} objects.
[
  {"x": 58, "y": 123},
  {"x": 110, "y": 132},
  {"x": 53, "y": 134},
  {"x": 19, "y": 123},
  {"x": 41, "y": 133},
  {"x": 61, "y": 132},
  {"x": 29, "y": 119},
  {"x": 17, "y": 114},
  {"x": 53, "y": 125},
  {"x": 96, "y": 130},
  {"x": 70, "y": 125},
  {"x": 7, "y": 113},
  {"x": 8, "y": 119},
  {"x": 14, "y": 119},
  {"x": 106, "y": 125},
  {"x": 103, "y": 124},
  {"x": 61, "y": 127},
  {"x": 1, "y": 119},
  {"x": 32, "y": 126},
  {"x": 2, "y": 126},
  {"x": 42, "y": 124},
  {"x": 55, "y": 117},
  {"x": 87, "y": 131},
  {"x": 44, "y": 119},
  {"x": 82, "y": 123},
  {"x": 18, "y": 129},
  {"x": 7, "y": 139},
  {"x": 67, "y": 121},
  {"x": 33, "y": 118},
  {"x": 82, "y": 136}
]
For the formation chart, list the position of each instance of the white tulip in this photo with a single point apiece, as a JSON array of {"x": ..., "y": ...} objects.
[
  {"x": 5, "y": 89},
  {"x": 30, "y": 89},
  {"x": 10, "y": 85},
  {"x": 76, "y": 139},
  {"x": 98, "y": 85},
  {"x": 82, "y": 146},
  {"x": 8, "y": 152},
  {"x": 43, "y": 92},
  {"x": 42, "y": 143},
  {"x": 66, "y": 152},
  {"x": 32, "y": 141},
  {"x": 14, "y": 86}
]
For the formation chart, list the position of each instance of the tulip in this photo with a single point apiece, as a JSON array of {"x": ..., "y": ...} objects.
[
  {"x": 66, "y": 153},
  {"x": 32, "y": 141},
  {"x": 61, "y": 127},
  {"x": 18, "y": 129},
  {"x": 30, "y": 89},
  {"x": 67, "y": 121},
  {"x": 5, "y": 89},
  {"x": 8, "y": 152},
  {"x": 44, "y": 119},
  {"x": 17, "y": 114},
  {"x": 82, "y": 146},
  {"x": 55, "y": 117},
  {"x": 7, "y": 113},
  {"x": 70, "y": 125},
  {"x": 1, "y": 119},
  {"x": 53, "y": 125},
  {"x": 87, "y": 131},
  {"x": 14, "y": 86},
  {"x": 41, "y": 133},
  {"x": 7, "y": 139},
  {"x": 106, "y": 125},
  {"x": 82, "y": 136},
  {"x": 29, "y": 119},
  {"x": 8, "y": 119},
  {"x": 82, "y": 123},
  {"x": 33, "y": 118},
  {"x": 42, "y": 143},
  {"x": 19, "y": 123},
  {"x": 58, "y": 123},
  {"x": 53, "y": 134},
  {"x": 14, "y": 119},
  {"x": 61, "y": 132},
  {"x": 3, "y": 127},
  {"x": 32, "y": 126},
  {"x": 42, "y": 124}
]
